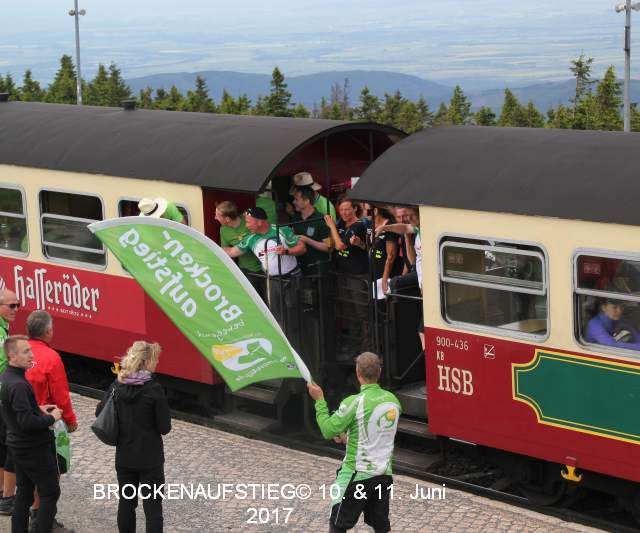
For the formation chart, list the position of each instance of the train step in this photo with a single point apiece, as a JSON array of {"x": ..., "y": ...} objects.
[
  {"x": 258, "y": 394},
  {"x": 249, "y": 422},
  {"x": 413, "y": 399},
  {"x": 417, "y": 428},
  {"x": 412, "y": 460}
]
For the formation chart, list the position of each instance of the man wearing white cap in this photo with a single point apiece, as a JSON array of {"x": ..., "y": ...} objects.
[
  {"x": 160, "y": 208},
  {"x": 320, "y": 203}
]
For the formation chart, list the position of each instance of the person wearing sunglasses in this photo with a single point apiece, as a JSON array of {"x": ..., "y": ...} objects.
[{"x": 9, "y": 306}]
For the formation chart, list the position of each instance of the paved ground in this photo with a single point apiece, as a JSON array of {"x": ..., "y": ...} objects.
[{"x": 198, "y": 455}]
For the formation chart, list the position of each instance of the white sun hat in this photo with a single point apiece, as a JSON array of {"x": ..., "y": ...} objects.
[{"x": 152, "y": 208}]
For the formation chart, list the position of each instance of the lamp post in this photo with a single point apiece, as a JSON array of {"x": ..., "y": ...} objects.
[
  {"x": 627, "y": 7},
  {"x": 75, "y": 13}
]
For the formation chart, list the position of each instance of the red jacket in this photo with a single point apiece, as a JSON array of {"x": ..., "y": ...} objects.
[{"x": 49, "y": 380}]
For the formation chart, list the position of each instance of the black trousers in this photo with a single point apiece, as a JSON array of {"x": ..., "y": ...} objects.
[
  {"x": 35, "y": 468},
  {"x": 127, "y": 505}
]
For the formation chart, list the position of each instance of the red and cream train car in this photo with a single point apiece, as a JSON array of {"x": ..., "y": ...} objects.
[
  {"x": 63, "y": 167},
  {"x": 531, "y": 288}
]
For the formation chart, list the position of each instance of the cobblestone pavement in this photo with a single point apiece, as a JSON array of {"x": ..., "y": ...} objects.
[{"x": 196, "y": 454}]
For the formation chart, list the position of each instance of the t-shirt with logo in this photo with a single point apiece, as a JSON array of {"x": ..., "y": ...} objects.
[
  {"x": 379, "y": 254},
  {"x": 263, "y": 246},
  {"x": 370, "y": 419},
  {"x": 314, "y": 227},
  {"x": 230, "y": 236},
  {"x": 352, "y": 260}
]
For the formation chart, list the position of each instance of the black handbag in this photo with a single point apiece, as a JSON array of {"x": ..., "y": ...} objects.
[{"x": 105, "y": 425}]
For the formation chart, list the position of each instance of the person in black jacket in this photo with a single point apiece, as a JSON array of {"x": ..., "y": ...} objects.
[
  {"x": 29, "y": 439},
  {"x": 143, "y": 417}
]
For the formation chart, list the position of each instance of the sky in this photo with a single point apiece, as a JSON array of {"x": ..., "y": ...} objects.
[{"x": 489, "y": 41}]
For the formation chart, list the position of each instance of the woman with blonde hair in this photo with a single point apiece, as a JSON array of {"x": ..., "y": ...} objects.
[{"x": 143, "y": 417}]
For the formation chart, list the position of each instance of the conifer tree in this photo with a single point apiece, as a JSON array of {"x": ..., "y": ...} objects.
[
  {"x": 278, "y": 103},
  {"x": 198, "y": 100},
  {"x": 370, "y": 108},
  {"x": 441, "y": 117},
  {"x": 118, "y": 89},
  {"x": 560, "y": 117},
  {"x": 145, "y": 98},
  {"x": 608, "y": 97},
  {"x": 426, "y": 116},
  {"x": 7, "y": 85},
  {"x": 581, "y": 70},
  {"x": 485, "y": 117},
  {"x": 585, "y": 115},
  {"x": 512, "y": 114},
  {"x": 300, "y": 111},
  {"x": 63, "y": 88},
  {"x": 391, "y": 108},
  {"x": 99, "y": 89},
  {"x": 532, "y": 117},
  {"x": 30, "y": 90},
  {"x": 459, "y": 110}
]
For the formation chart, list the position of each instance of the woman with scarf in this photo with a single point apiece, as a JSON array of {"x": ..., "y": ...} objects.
[{"x": 143, "y": 417}]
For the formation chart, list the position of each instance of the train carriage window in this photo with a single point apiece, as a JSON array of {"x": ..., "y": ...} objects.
[
  {"x": 13, "y": 222},
  {"x": 494, "y": 285},
  {"x": 129, "y": 208},
  {"x": 64, "y": 218},
  {"x": 607, "y": 302}
]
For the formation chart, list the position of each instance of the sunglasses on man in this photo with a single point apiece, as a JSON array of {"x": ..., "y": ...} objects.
[{"x": 12, "y": 306}]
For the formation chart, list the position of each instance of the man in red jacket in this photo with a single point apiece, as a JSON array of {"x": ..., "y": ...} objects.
[
  {"x": 47, "y": 375},
  {"x": 47, "y": 378}
]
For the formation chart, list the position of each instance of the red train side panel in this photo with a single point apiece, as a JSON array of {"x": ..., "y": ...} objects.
[
  {"x": 550, "y": 404},
  {"x": 99, "y": 315}
]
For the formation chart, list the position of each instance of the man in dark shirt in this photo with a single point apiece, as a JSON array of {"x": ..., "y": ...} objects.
[
  {"x": 311, "y": 228},
  {"x": 29, "y": 439}
]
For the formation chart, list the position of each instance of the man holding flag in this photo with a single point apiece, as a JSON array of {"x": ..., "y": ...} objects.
[{"x": 367, "y": 422}]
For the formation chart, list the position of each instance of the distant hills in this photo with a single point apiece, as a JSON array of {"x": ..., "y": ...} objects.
[{"x": 310, "y": 88}]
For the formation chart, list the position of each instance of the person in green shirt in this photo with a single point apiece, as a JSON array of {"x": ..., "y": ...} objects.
[
  {"x": 160, "y": 208},
  {"x": 320, "y": 203},
  {"x": 233, "y": 230},
  {"x": 367, "y": 422},
  {"x": 266, "y": 202},
  {"x": 9, "y": 306}
]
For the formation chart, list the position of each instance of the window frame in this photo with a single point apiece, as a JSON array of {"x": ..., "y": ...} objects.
[
  {"x": 444, "y": 240},
  {"x": 576, "y": 292},
  {"x": 20, "y": 188},
  {"x": 44, "y": 243},
  {"x": 136, "y": 200}
]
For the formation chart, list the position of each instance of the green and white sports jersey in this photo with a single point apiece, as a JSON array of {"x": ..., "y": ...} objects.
[
  {"x": 370, "y": 419},
  {"x": 263, "y": 246}
]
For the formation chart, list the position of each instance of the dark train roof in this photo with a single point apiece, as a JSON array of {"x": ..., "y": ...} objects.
[
  {"x": 587, "y": 175},
  {"x": 222, "y": 151}
]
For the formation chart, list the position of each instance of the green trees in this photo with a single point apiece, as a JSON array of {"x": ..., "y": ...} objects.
[
  {"x": 31, "y": 90},
  {"x": 594, "y": 104},
  {"x": 63, "y": 88},
  {"x": 459, "y": 110}
]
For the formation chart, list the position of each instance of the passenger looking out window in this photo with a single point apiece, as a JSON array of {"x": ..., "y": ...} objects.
[
  {"x": 609, "y": 329},
  {"x": 607, "y": 296},
  {"x": 160, "y": 208}
]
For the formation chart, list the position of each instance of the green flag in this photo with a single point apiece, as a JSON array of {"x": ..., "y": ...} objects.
[{"x": 206, "y": 296}]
